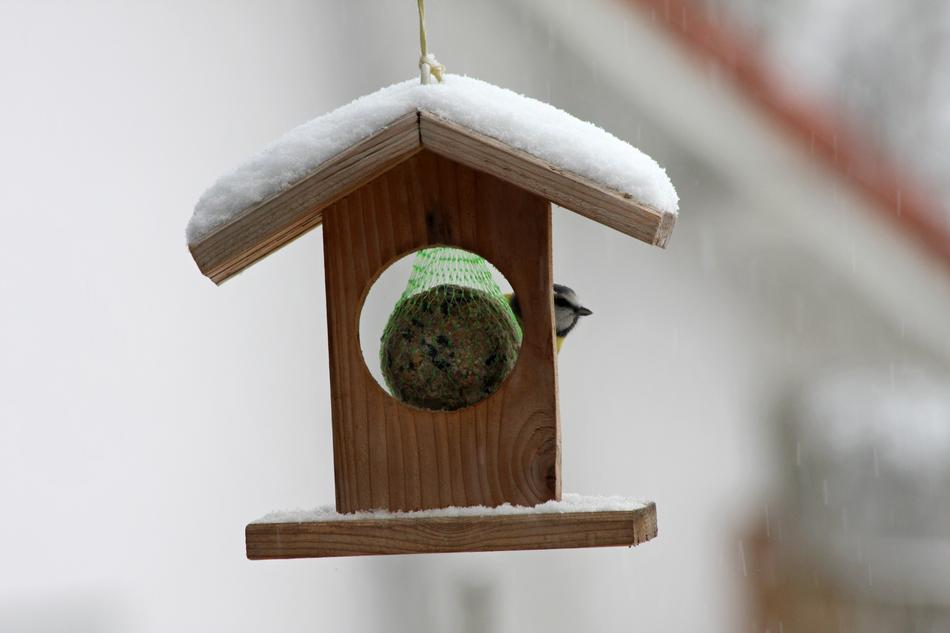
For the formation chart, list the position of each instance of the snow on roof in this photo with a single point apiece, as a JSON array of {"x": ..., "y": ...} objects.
[
  {"x": 535, "y": 127},
  {"x": 569, "y": 503}
]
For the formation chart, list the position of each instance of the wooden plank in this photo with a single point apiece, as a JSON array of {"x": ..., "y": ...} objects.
[
  {"x": 569, "y": 190},
  {"x": 443, "y": 457},
  {"x": 368, "y": 537},
  {"x": 291, "y": 213}
]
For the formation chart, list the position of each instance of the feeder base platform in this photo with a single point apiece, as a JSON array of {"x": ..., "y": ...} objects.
[{"x": 405, "y": 534}]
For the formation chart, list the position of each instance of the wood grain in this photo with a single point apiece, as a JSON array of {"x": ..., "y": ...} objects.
[
  {"x": 503, "y": 449},
  {"x": 364, "y": 537},
  {"x": 286, "y": 216},
  {"x": 561, "y": 187}
]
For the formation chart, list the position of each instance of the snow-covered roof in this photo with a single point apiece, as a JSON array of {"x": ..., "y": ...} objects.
[
  {"x": 522, "y": 123},
  {"x": 562, "y": 147}
]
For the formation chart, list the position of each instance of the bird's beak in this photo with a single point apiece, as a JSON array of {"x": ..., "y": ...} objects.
[{"x": 582, "y": 311}]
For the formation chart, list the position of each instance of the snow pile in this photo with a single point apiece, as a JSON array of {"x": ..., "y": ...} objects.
[
  {"x": 537, "y": 128},
  {"x": 569, "y": 503}
]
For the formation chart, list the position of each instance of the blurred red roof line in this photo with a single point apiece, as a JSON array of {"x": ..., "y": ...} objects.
[{"x": 893, "y": 193}]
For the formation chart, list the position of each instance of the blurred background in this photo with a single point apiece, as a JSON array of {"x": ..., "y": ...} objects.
[{"x": 789, "y": 412}]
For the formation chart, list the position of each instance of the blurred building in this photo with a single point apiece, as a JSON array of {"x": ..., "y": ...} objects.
[{"x": 858, "y": 538}]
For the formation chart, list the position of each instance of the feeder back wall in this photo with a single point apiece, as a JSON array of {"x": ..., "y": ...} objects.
[{"x": 505, "y": 448}]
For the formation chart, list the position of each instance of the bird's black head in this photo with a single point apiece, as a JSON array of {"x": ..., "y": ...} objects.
[{"x": 567, "y": 309}]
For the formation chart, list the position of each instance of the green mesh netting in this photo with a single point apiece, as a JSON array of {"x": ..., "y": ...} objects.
[{"x": 452, "y": 338}]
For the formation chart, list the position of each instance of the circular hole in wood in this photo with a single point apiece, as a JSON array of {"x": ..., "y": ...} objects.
[{"x": 439, "y": 330}]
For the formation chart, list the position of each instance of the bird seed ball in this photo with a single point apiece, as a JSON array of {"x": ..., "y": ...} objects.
[{"x": 448, "y": 347}]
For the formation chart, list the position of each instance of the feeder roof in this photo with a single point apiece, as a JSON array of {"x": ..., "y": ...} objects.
[{"x": 278, "y": 194}]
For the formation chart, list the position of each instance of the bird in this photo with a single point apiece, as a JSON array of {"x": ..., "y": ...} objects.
[{"x": 567, "y": 311}]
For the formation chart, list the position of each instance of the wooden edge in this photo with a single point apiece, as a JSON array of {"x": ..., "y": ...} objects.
[
  {"x": 430, "y": 535},
  {"x": 263, "y": 229},
  {"x": 564, "y": 188},
  {"x": 665, "y": 230}
]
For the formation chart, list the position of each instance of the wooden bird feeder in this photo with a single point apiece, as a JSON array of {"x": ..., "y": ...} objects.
[{"x": 421, "y": 180}]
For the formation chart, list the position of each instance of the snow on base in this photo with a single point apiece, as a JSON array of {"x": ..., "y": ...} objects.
[
  {"x": 521, "y": 122},
  {"x": 569, "y": 503}
]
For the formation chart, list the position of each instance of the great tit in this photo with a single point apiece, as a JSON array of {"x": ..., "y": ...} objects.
[{"x": 567, "y": 311}]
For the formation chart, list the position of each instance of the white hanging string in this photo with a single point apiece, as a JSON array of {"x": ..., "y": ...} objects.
[{"x": 429, "y": 66}]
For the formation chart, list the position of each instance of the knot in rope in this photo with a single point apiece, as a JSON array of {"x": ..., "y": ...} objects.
[{"x": 429, "y": 66}]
